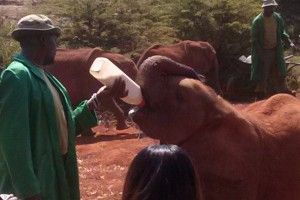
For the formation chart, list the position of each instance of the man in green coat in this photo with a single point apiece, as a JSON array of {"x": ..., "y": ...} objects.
[
  {"x": 267, "y": 52},
  {"x": 37, "y": 124}
]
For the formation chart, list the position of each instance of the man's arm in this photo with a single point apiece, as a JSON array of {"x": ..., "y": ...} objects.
[
  {"x": 255, "y": 39},
  {"x": 117, "y": 90},
  {"x": 15, "y": 134},
  {"x": 82, "y": 114},
  {"x": 285, "y": 36},
  {"x": 287, "y": 40},
  {"x": 293, "y": 46}
]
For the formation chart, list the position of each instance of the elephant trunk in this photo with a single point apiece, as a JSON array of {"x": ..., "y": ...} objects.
[
  {"x": 166, "y": 66},
  {"x": 153, "y": 76}
]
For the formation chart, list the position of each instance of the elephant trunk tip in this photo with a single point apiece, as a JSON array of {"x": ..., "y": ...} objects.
[{"x": 132, "y": 112}]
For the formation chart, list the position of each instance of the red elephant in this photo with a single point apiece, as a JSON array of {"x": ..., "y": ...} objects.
[
  {"x": 248, "y": 154},
  {"x": 199, "y": 55},
  {"x": 71, "y": 67}
]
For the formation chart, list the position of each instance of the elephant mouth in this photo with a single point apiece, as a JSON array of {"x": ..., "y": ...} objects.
[
  {"x": 142, "y": 116},
  {"x": 137, "y": 114}
]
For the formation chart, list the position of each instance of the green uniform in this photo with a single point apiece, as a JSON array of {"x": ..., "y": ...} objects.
[
  {"x": 30, "y": 157},
  {"x": 258, "y": 37}
]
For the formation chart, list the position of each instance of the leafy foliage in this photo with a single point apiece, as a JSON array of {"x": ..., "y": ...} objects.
[
  {"x": 7, "y": 46},
  {"x": 118, "y": 26},
  {"x": 128, "y": 26},
  {"x": 224, "y": 23}
]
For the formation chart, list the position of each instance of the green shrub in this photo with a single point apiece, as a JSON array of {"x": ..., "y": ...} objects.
[
  {"x": 226, "y": 24},
  {"x": 118, "y": 26},
  {"x": 8, "y": 46}
]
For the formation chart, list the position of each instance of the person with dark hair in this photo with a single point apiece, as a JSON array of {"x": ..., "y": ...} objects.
[
  {"x": 268, "y": 33},
  {"x": 162, "y": 172},
  {"x": 37, "y": 124}
]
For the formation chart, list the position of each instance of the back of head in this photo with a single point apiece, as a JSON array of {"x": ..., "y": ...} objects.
[{"x": 162, "y": 172}]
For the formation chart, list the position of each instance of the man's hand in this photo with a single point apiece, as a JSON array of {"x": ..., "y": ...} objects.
[
  {"x": 295, "y": 48},
  {"x": 117, "y": 90}
]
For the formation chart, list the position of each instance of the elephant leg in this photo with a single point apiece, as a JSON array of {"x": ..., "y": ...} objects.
[
  {"x": 111, "y": 105},
  {"x": 87, "y": 132}
]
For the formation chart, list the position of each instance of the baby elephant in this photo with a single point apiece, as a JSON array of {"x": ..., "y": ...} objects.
[{"x": 249, "y": 154}]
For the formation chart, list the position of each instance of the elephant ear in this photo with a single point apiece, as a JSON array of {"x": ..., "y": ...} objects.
[
  {"x": 166, "y": 66},
  {"x": 202, "y": 100}
]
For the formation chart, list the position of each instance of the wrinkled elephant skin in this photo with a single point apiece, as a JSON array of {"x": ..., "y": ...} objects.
[{"x": 249, "y": 154}]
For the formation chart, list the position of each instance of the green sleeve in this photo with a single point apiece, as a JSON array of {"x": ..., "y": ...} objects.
[
  {"x": 15, "y": 133},
  {"x": 254, "y": 32},
  {"x": 84, "y": 118},
  {"x": 283, "y": 34}
]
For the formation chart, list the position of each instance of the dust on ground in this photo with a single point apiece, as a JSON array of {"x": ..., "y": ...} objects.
[{"x": 103, "y": 160}]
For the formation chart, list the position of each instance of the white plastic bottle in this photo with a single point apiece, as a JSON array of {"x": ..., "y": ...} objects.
[{"x": 106, "y": 72}]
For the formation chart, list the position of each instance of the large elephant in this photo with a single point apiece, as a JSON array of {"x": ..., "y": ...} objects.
[
  {"x": 201, "y": 56},
  {"x": 249, "y": 154},
  {"x": 71, "y": 67}
]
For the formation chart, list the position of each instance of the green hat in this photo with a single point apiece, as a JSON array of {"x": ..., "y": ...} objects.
[{"x": 34, "y": 25}]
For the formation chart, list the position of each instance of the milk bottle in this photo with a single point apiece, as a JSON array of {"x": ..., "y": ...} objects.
[{"x": 106, "y": 72}]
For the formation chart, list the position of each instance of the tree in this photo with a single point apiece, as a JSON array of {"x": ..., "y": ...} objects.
[
  {"x": 7, "y": 45},
  {"x": 115, "y": 25},
  {"x": 226, "y": 24}
]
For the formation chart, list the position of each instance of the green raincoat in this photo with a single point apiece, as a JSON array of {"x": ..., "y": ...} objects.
[
  {"x": 30, "y": 157},
  {"x": 258, "y": 36}
]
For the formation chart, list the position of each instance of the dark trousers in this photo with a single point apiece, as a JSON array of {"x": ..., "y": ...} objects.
[{"x": 272, "y": 82}]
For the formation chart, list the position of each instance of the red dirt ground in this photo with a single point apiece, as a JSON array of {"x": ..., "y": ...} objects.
[{"x": 103, "y": 161}]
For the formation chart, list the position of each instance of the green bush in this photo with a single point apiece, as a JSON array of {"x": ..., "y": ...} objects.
[
  {"x": 226, "y": 24},
  {"x": 8, "y": 46},
  {"x": 118, "y": 26}
]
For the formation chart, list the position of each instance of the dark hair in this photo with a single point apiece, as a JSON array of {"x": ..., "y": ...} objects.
[{"x": 162, "y": 172}]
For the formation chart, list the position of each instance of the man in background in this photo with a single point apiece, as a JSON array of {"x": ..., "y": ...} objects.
[{"x": 268, "y": 62}]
